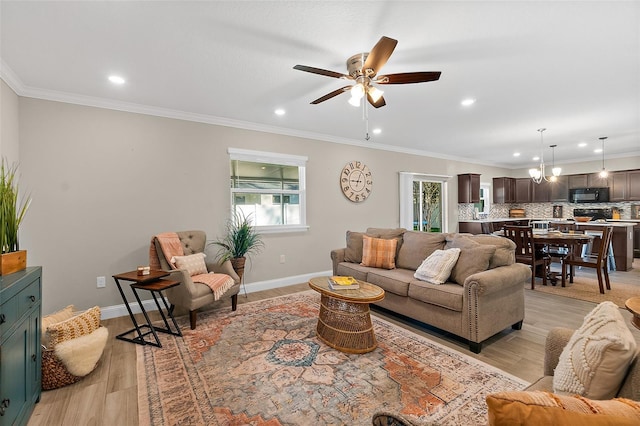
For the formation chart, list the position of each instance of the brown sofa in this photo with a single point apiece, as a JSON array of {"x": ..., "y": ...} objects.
[{"x": 485, "y": 303}]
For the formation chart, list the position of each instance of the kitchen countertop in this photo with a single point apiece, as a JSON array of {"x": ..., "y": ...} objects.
[{"x": 612, "y": 222}]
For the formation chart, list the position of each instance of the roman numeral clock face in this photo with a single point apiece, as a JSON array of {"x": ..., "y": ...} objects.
[{"x": 356, "y": 181}]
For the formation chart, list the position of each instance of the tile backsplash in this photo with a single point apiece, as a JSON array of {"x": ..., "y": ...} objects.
[{"x": 542, "y": 210}]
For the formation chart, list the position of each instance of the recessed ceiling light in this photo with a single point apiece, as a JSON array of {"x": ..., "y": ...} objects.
[
  {"x": 279, "y": 111},
  {"x": 468, "y": 102},
  {"x": 536, "y": 158},
  {"x": 377, "y": 131},
  {"x": 116, "y": 79},
  {"x": 516, "y": 154},
  {"x": 582, "y": 144},
  {"x": 597, "y": 150}
]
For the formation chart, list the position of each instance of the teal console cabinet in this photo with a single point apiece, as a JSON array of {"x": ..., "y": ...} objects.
[{"x": 20, "y": 350}]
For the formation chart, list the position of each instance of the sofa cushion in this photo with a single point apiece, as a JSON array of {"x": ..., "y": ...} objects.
[
  {"x": 79, "y": 325},
  {"x": 379, "y": 252},
  {"x": 505, "y": 248},
  {"x": 417, "y": 246},
  {"x": 448, "y": 295},
  {"x": 388, "y": 234},
  {"x": 544, "y": 408},
  {"x": 353, "y": 251},
  {"x": 472, "y": 259},
  {"x": 193, "y": 263},
  {"x": 354, "y": 270},
  {"x": 395, "y": 281},
  {"x": 596, "y": 359},
  {"x": 436, "y": 268}
]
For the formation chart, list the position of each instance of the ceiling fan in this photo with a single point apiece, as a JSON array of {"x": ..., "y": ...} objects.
[{"x": 363, "y": 69}]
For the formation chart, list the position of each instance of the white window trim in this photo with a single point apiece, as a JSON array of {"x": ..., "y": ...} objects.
[
  {"x": 283, "y": 159},
  {"x": 406, "y": 197}
]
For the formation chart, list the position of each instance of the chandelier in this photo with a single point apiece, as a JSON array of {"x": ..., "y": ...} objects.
[{"x": 538, "y": 175}]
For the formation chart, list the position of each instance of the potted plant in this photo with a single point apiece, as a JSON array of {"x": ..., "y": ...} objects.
[
  {"x": 12, "y": 212},
  {"x": 240, "y": 242}
]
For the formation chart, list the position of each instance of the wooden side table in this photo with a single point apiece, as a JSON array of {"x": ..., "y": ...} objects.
[
  {"x": 633, "y": 306},
  {"x": 155, "y": 283}
]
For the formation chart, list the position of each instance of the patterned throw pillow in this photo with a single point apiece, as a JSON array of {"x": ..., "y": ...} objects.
[
  {"x": 378, "y": 252},
  {"x": 436, "y": 268},
  {"x": 79, "y": 325},
  {"x": 597, "y": 356},
  {"x": 56, "y": 317},
  {"x": 544, "y": 408},
  {"x": 194, "y": 263}
]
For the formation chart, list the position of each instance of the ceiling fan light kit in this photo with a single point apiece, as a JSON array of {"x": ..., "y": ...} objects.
[{"x": 362, "y": 69}]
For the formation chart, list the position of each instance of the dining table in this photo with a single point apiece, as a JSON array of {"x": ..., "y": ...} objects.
[{"x": 573, "y": 241}]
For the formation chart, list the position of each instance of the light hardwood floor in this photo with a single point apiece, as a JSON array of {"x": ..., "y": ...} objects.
[{"x": 108, "y": 396}]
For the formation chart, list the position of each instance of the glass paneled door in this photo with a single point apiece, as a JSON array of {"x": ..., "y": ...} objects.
[
  {"x": 427, "y": 206},
  {"x": 423, "y": 202}
]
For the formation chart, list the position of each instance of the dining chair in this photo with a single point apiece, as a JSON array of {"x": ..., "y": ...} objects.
[
  {"x": 597, "y": 261},
  {"x": 526, "y": 252}
]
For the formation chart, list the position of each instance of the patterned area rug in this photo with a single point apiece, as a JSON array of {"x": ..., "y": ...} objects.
[
  {"x": 586, "y": 288},
  {"x": 263, "y": 365}
]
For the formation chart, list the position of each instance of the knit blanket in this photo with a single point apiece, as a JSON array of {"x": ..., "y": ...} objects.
[
  {"x": 169, "y": 244},
  {"x": 218, "y": 283}
]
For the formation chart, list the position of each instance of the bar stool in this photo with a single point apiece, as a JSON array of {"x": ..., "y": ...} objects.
[{"x": 587, "y": 249}]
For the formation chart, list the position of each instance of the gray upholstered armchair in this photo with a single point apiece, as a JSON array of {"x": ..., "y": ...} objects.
[{"x": 190, "y": 295}]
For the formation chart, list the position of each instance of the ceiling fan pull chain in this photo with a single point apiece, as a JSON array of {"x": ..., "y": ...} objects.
[{"x": 365, "y": 117}]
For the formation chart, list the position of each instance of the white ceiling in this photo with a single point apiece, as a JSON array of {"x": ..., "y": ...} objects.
[{"x": 570, "y": 66}]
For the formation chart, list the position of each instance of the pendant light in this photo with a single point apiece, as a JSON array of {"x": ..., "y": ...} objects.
[
  {"x": 603, "y": 172},
  {"x": 555, "y": 171}
]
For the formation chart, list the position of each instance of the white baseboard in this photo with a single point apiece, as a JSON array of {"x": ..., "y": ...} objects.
[{"x": 149, "y": 305}]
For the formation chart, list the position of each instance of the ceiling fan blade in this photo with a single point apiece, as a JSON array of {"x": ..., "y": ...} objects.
[
  {"x": 379, "y": 55},
  {"x": 378, "y": 104},
  {"x": 331, "y": 95},
  {"x": 322, "y": 72},
  {"x": 409, "y": 77}
]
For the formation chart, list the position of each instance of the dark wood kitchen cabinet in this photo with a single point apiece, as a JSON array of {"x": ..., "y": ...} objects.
[
  {"x": 559, "y": 190},
  {"x": 618, "y": 186},
  {"x": 524, "y": 190},
  {"x": 504, "y": 190},
  {"x": 541, "y": 192},
  {"x": 578, "y": 181},
  {"x": 633, "y": 182},
  {"x": 469, "y": 188}
]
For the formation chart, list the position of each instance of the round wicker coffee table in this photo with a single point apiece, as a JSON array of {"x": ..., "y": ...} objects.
[{"x": 344, "y": 322}]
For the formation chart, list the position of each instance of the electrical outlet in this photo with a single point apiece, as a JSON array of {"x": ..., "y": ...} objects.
[
  {"x": 100, "y": 281},
  {"x": 282, "y": 258}
]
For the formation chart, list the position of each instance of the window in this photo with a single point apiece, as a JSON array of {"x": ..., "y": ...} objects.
[
  {"x": 270, "y": 187},
  {"x": 423, "y": 202},
  {"x": 484, "y": 206}
]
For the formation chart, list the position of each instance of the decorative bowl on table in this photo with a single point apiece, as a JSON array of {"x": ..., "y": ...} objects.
[{"x": 582, "y": 218}]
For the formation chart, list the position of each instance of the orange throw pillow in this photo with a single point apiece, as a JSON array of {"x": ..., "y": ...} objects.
[
  {"x": 545, "y": 408},
  {"x": 378, "y": 252}
]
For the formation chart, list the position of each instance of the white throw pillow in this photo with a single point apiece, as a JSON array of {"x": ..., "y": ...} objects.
[
  {"x": 194, "y": 263},
  {"x": 436, "y": 268},
  {"x": 597, "y": 357}
]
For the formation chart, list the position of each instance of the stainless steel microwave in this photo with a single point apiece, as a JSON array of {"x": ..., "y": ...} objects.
[{"x": 589, "y": 195}]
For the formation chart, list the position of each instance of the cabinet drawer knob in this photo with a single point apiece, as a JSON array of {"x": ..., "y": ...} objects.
[
  {"x": 32, "y": 298},
  {"x": 3, "y": 319},
  {"x": 3, "y": 405}
]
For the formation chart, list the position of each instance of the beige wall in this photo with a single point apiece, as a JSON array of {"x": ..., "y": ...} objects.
[
  {"x": 9, "y": 136},
  {"x": 103, "y": 182}
]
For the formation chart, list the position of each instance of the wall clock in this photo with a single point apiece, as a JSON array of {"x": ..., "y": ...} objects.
[{"x": 356, "y": 181}]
